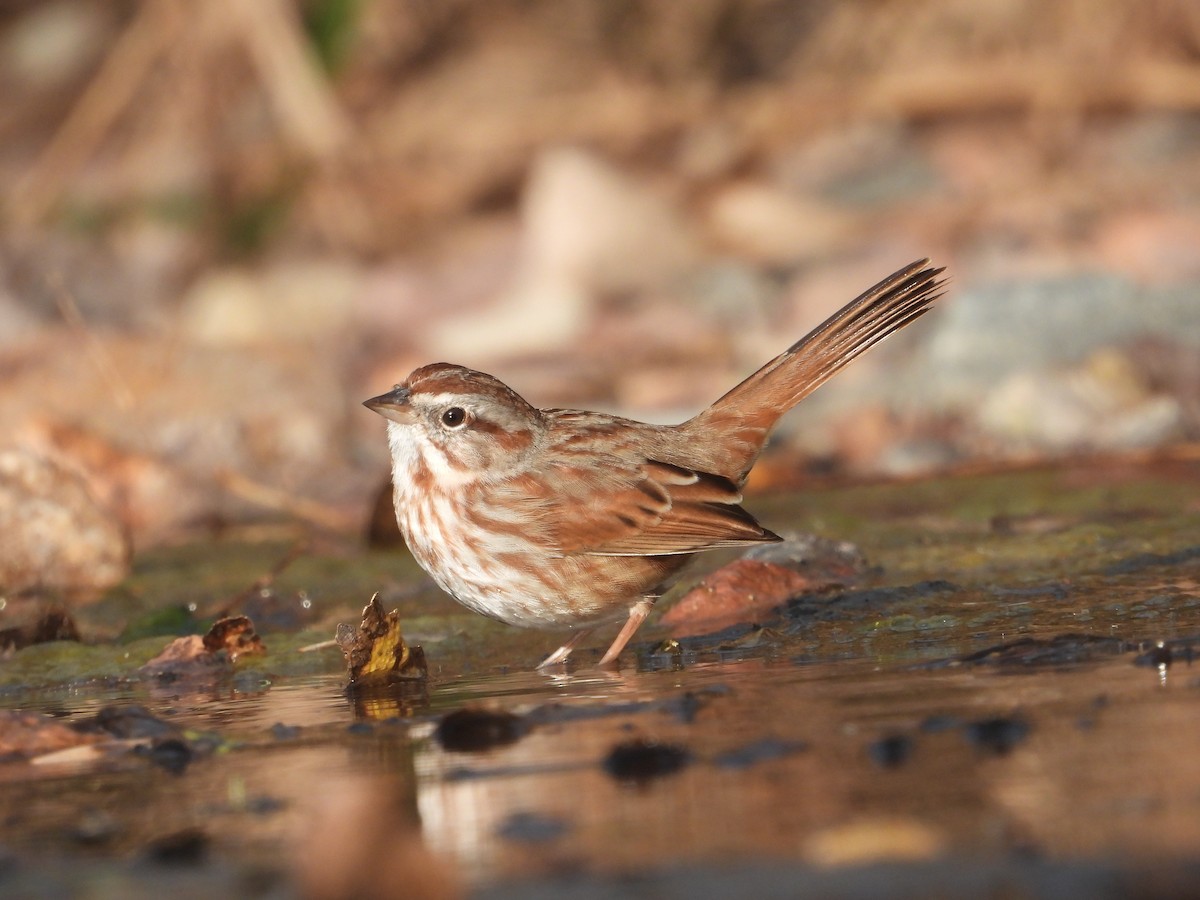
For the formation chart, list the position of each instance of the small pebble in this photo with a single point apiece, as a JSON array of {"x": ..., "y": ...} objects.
[
  {"x": 891, "y": 751},
  {"x": 471, "y": 730},
  {"x": 999, "y": 734},
  {"x": 642, "y": 760}
]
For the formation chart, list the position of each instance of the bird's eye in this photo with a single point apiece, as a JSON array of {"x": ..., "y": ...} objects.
[{"x": 454, "y": 417}]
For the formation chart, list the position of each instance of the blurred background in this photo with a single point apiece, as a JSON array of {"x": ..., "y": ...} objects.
[{"x": 225, "y": 224}]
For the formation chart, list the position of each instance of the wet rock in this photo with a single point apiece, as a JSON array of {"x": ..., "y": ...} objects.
[
  {"x": 641, "y": 761},
  {"x": 130, "y": 720},
  {"x": 756, "y": 752},
  {"x": 54, "y": 625},
  {"x": 56, "y": 535},
  {"x": 472, "y": 730},
  {"x": 1029, "y": 652},
  {"x": 734, "y": 593},
  {"x": 25, "y": 733},
  {"x": 764, "y": 578},
  {"x": 866, "y": 602},
  {"x": 1184, "y": 557}
]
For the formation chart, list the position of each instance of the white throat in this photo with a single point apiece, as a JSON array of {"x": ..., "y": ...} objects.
[{"x": 411, "y": 449}]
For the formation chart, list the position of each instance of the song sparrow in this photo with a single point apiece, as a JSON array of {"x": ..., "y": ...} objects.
[{"x": 552, "y": 518}]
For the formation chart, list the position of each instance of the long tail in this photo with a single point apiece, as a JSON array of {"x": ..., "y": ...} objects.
[{"x": 747, "y": 413}]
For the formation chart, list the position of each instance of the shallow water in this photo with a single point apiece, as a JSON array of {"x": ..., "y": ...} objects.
[{"x": 860, "y": 727}]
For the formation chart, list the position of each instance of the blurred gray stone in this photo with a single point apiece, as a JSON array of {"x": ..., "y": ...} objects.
[
  {"x": 988, "y": 332},
  {"x": 293, "y": 301},
  {"x": 53, "y": 42},
  {"x": 1098, "y": 406}
]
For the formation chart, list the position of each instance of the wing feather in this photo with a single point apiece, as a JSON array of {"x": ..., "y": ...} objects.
[{"x": 666, "y": 510}]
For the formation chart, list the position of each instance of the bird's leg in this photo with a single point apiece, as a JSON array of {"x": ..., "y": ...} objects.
[
  {"x": 560, "y": 655},
  {"x": 637, "y": 615}
]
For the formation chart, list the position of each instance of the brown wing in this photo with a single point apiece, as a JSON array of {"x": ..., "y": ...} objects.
[{"x": 653, "y": 509}]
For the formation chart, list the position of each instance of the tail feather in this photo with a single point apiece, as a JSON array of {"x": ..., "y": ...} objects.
[{"x": 747, "y": 413}]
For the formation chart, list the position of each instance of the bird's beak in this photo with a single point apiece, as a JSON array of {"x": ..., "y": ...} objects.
[{"x": 393, "y": 405}]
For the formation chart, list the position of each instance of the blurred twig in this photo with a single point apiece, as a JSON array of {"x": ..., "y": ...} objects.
[
  {"x": 122, "y": 395},
  {"x": 1033, "y": 85},
  {"x": 275, "y": 498},
  {"x": 152, "y": 31},
  {"x": 307, "y": 110},
  {"x": 308, "y": 114}
]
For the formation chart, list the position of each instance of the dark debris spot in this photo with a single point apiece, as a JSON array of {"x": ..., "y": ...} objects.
[
  {"x": 936, "y": 724},
  {"x": 470, "y": 730},
  {"x": 823, "y": 607},
  {"x": 1029, "y": 652},
  {"x": 1152, "y": 560},
  {"x": 282, "y": 732},
  {"x": 171, "y": 754},
  {"x": 360, "y": 728},
  {"x": 95, "y": 827},
  {"x": 54, "y": 625},
  {"x": 642, "y": 760},
  {"x": 757, "y": 752},
  {"x": 1160, "y": 655},
  {"x": 998, "y": 734},
  {"x": 686, "y": 706},
  {"x": 1055, "y": 590},
  {"x": 561, "y": 713},
  {"x": 129, "y": 720},
  {"x": 265, "y": 805},
  {"x": 891, "y": 751},
  {"x": 533, "y": 828},
  {"x": 188, "y": 847},
  {"x": 1165, "y": 653},
  {"x": 683, "y": 706}
]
